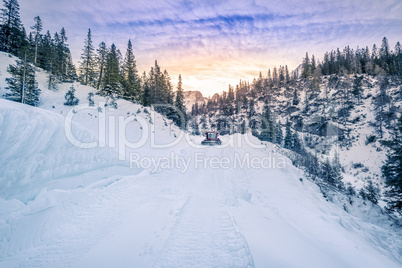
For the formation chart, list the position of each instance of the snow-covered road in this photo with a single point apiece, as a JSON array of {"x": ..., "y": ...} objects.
[{"x": 202, "y": 218}]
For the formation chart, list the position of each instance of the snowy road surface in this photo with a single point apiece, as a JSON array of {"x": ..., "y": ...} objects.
[{"x": 110, "y": 215}]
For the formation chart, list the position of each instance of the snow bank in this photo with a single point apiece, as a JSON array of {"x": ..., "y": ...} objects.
[{"x": 35, "y": 150}]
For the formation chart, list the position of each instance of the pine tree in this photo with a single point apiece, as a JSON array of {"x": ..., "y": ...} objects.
[
  {"x": 146, "y": 96},
  {"x": 51, "y": 83},
  {"x": 287, "y": 76},
  {"x": 37, "y": 29},
  {"x": 306, "y": 67},
  {"x": 181, "y": 119},
  {"x": 385, "y": 55},
  {"x": 380, "y": 102},
  {"x": 398, "y": 58},
  {"x": 296, "y": 143},
  {"x": 288, "y": 142},
  {"x": 131, "y": 82},
  {"x": 357, "y": 87},
  {"x": 295, "y": 100},
  {"x": 168, "y": 88},
  {"x": 279, "y": 134},
  {"x": 12, "y": 33},
  {"x": 87, "y": 66},
  {"x": 331, "y": 174},
  {"x": 63, "y": 66},
  {"x": 392, "y": 169},
  {"x": 90, "y": 100},
  {"x": 243, "y": 127},
  {"x": 112, "y": 78},
  {"x": 101, "y": 63},
  {"x": 45, "y": 52},
  {"x": 22, "y": 84},
  {"x": 71, "y": 99},
  {"x": 267, "y": 126}
]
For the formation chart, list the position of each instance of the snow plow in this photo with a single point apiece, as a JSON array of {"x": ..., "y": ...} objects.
[{"x": 211, "y": 139}]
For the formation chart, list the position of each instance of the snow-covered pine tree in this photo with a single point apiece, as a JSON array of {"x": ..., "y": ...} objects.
[
  {"x": 357, "y": 87},
  {"x": 331, "y": 174},
  {"x": 22, "y": 84},
  {"x": 392, "y": 169},
  {"x": 90, "y": 100},
  {"x": 243, "y": 128},
  {"x": 51, "y": 81},
  {"x": 295, "y": 100},
  {"x": 398, "y": 58},
  {"x": 380, "y": 102},
  {"x": 87, "y": 65},
  {"x": 296, "y": 143},
  {"x": 71, "y": 99},
  {"x": 279, "y": 134},
  {"x": 288, "y": 142}
]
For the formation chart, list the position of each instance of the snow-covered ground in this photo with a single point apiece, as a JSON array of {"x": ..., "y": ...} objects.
[{"x": 166, "y": 203}]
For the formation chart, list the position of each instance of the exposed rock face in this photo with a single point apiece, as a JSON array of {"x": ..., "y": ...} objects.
[{"x": 192, "y": 97}]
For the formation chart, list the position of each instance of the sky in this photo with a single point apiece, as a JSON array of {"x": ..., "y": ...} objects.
[{"x": 214, "y": 43}]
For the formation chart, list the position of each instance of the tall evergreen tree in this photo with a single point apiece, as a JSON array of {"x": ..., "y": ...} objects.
[
  {"x": 87, "y": 65},
  {"x": 112, "y": 78},
  {"x": 357, "y": 89},
  {"x": 392, "y": 169},
  {"x": 296, "y": 143},
  {"x": 37, "y": 27},
  {"x": 267, "y": 125},
  {"x": 45, "y": 52},
  {"x": 146, "y": 92},
  {"x": 279, "y": 134},
  {"x": 22, "y": 84},
  {"x": 131, "y": 81},
  {"x": 288, "y": 142},
  {"x": 380, "y": 102},
  {"x": 398, "y": 58},
  {"x": 181, "y": 120},
  {"x": 306, "y": 67},
  {"x": 63, "y": 65},
  {"x": 101, "y": 63},
  {"x": 12, "y": 33},
  {"x": 385, "y": 55},
  {"x": 168, "y": 87}
]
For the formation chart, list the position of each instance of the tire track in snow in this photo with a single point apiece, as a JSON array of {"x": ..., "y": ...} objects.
[{"x": 205, "y": 234}]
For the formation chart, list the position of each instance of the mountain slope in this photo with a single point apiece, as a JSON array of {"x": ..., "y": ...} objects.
[{"x": 330, "y": 121}]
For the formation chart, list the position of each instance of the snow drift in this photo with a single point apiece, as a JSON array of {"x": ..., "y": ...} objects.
[{"x": 35, "y": 150}]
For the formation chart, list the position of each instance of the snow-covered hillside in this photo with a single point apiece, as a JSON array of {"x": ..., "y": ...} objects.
[
  {"x": 319, "y": 121},
  {"x": 148, "y": 195}
]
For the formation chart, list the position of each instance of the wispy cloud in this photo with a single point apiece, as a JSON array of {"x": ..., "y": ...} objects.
[{"x": 216, "y": 42}]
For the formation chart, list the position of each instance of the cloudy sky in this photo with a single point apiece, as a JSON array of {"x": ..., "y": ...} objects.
[{"x": 213, "y": 43}]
